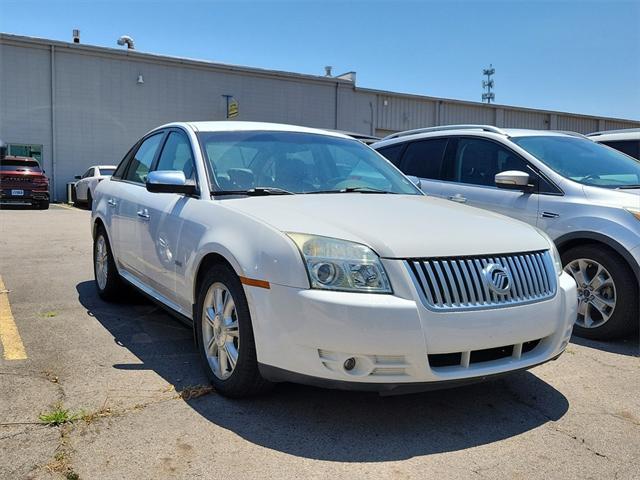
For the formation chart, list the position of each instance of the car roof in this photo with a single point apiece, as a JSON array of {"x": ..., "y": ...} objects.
[
  {"x": 477, "y": 130},
  {"x": 22, "y": 159},
  {"x": 237, "y": 126},
  {"x": 104, "y": 166},
  {"x": 625, "y": 134}
]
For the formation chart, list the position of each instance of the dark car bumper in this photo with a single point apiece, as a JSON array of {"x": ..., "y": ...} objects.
[{"x": 28, "y": 197}]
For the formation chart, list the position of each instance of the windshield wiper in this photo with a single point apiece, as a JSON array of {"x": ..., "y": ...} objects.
[
  {"x": 625, "y": 187},
  {"x": 353, "y": 190},
  {"x": 254, "y": 192}
]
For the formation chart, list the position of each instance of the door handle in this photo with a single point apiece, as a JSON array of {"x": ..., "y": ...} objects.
[
  {"x": 457, "y": 198},
  {"x": 144, "y": 214},
  {"x": 111, "y": 202}
]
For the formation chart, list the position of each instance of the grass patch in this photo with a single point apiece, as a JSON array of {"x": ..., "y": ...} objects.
[{"x": 57, "y": 416}]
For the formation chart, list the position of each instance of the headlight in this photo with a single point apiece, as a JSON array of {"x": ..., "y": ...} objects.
[
  {"x": 334, "y": 264},
  {"x": 555, "y": 255}
]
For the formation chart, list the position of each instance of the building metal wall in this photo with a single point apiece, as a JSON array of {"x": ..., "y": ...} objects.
[{"x": 92, "y": 109}]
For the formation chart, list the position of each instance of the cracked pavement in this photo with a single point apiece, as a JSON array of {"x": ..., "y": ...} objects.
[{"x": 130, "y": 369}]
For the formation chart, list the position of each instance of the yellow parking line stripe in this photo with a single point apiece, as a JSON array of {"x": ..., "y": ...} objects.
[{"x": 12, "y": 346}]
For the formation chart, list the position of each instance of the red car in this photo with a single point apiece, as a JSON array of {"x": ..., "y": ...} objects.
[{"x": 22, "y": 181}]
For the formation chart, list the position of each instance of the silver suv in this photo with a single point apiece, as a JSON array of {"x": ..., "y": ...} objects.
[{"x": 584, "y": 195}]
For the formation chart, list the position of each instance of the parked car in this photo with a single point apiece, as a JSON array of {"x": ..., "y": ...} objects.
[
  {"x": 582, "y": 194},
  {"x": 22, "y": 181},
  {"x": 87, "y": 182},
  {"x": 302, "y": 255},
  {"x": 626, "y": 140}
]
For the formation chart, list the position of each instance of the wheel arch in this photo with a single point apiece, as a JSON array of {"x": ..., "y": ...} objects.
[
  {"x": 569, "y": 240},
  {"x": 206, "y": 262}
]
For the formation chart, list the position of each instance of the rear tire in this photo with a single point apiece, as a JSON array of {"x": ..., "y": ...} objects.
[
  {"x": 224, "y": 335},
  {"x": 607, "y": 292},
  {"x": 107, "y": 278}
]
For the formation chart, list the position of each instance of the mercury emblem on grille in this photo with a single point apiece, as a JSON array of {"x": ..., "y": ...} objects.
[{"x": 497, "y": 278}]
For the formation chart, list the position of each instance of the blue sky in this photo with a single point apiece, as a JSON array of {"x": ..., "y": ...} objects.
[{"x": 578, "y": 56}]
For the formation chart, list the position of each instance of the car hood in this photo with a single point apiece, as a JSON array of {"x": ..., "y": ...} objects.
[
  {"x": 629, "y": 198},
  {"x": 395, "y": 226}
]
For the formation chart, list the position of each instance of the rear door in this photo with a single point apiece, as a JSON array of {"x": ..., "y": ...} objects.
[
  {"x": 471, "y": 164},
  {"x": 130, "y": 221}
]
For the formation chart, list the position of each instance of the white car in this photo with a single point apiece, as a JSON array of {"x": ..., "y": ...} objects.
[
  {"x": 87, "y": 182},
  {"x": 303, "y": 255}
]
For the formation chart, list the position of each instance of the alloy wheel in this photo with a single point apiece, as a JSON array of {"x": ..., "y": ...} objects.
[
  {"x": 102, "y": 262},
  {"x": 220, "y": 331},
  {"x": 596, "y": 292}
]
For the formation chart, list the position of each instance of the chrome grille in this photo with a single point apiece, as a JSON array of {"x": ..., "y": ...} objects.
[{"x": 459, "y": 283}]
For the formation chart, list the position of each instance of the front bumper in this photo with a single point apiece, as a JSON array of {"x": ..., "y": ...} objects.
[{"x": 307, "y": 335}]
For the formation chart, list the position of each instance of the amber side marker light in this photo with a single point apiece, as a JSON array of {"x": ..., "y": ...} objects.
[{"x": 252, "y": 282}]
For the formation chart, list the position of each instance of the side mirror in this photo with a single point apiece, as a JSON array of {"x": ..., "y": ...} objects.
[
  {"x": 77, "y": 177},
  {"x": 513, "y": 180},
  {"x": 170, "y": 181},
  {"x": 415, "y": 180}
]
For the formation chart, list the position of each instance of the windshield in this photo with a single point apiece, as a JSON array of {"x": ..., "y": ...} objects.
[
  {"x": 107, "y": 171},
  {"x": 298, "y": 163},
  {"x": 7, "y": 164},
  {"x": 584, "y": 161}
]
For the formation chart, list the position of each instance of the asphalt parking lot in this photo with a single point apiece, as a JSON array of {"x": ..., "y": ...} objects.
[{"x": 138, "y": 404}]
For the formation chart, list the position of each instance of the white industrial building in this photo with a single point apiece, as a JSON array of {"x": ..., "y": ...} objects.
[{"x": 74, "y": 105}]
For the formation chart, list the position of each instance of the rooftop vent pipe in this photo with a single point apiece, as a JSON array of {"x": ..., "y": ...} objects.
[
  {"x": 76, "y": 35},
  {"x": 126, "y": 40},
  {"x": 327, "y": 70}
]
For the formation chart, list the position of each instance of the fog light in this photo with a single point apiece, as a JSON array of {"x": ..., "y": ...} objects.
[{"x": 349, "y": 364}]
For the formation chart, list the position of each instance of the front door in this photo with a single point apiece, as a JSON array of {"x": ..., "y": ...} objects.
[
  {"x": 163, "y": 234},
  {"x": 131, "y": 218},
  {"x": 470, "y": 168}
]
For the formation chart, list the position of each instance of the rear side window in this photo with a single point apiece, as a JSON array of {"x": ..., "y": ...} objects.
[
  {"x": 392, "y": 153},
  {"x": 424, "y": 158},
  {"x": 630, "y": 147},
  {"x": 176, "y": 155},
  {"x": 143, "y": 158}
]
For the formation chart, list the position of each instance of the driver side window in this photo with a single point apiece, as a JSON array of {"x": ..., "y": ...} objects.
[
  {"x": 176, "y": 155},
  {"x": 141, "y": 161},
  {"x": 477, "y": 161}
]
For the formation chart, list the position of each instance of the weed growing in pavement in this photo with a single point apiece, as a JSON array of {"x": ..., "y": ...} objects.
[
  {"x": 57, "y": 416},
  {"x": 50, "y": 314}
]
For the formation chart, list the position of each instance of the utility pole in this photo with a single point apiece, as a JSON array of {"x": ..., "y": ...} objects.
[{"x": 487, "y": 84}]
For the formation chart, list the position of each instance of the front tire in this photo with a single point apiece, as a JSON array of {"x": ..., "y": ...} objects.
[
  {"x": 43, "y": 205},
  {"x": 107, "y": 278},
  {"x": 224, "y": 335},
  {"x": 89, "y": 200},
  {"x": 607, "y": 292}
]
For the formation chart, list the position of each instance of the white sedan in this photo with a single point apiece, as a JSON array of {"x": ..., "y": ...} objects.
[
  {"x": 87, "y": 182},
  {"x": 303, "y": 255}
]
